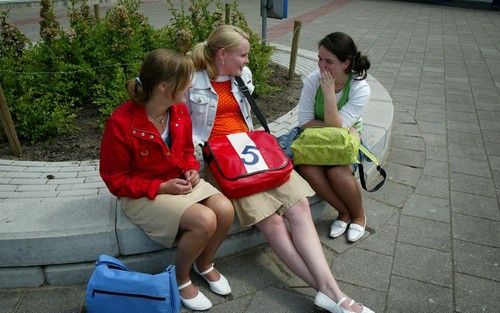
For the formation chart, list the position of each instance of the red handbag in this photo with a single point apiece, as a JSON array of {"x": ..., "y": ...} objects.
[{"x": 247, "y": 163}]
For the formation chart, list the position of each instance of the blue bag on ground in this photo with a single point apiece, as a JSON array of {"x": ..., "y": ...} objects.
[{"x": 113, "y": 288}]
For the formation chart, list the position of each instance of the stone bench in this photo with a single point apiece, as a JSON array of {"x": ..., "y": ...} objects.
[{"x": 57, "y": 217}]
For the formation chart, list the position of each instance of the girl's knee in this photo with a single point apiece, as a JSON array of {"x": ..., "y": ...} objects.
[
  {"x": 223, "y": 207},
  {"x": 270, "y": 223},
  {"x": 301, "y": 206},
  {"x": 206, "y": 222}
]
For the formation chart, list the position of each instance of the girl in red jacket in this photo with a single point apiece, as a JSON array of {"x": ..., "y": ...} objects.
[{"x": 147, "y": 160}]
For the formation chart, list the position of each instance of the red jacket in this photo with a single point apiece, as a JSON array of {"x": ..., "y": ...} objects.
[{"x": 134, "y": 158}]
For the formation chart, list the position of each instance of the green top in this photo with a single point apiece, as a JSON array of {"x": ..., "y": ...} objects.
[{"x": 319, "y": 102}]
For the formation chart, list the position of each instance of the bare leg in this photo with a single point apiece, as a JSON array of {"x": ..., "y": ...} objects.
[
  {"x": 307, "y": 243},
  {"x": 224, "y": 211},
  {"x": 317, "y": 177},
  {"x": 301, "y": 250},
  {"x": 197, "y": 227},
  {"x": 276, "y": 233},
  {"x": 347, "y": 189}
]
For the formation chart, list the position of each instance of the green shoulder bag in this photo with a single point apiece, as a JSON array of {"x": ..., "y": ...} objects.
[{"x": 326, "y": 146}]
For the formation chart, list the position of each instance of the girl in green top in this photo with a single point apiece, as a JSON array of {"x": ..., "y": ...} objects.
[{"x": 334, "y": 95}]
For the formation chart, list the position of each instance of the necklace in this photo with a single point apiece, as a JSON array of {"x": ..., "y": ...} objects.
[{"x": 160, "y": 120}]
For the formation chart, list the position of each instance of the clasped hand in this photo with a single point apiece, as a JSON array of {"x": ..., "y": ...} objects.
[{"x": 179, "y": 186}]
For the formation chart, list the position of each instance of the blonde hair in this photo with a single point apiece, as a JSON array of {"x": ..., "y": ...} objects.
[
  {"x": 226, "y": 36},
  {"x": 161, "y": 65}
]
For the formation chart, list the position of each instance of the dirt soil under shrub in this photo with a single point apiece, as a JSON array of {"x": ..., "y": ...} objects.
[{"x": 83, "y": 143}]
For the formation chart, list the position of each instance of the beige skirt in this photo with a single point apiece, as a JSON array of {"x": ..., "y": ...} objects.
[
  {"x": 255, "y": 208},
  {"x": 160, "y": 218}
]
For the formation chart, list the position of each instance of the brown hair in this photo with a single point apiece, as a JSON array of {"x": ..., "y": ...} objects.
[
  {"x": 343, "y": 47},
  {"x": 161, "y": 65},
  {"x": 226, "y": 36}
]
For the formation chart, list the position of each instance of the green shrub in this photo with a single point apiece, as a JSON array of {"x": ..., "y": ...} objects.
[{"x": 48, "y": 82}]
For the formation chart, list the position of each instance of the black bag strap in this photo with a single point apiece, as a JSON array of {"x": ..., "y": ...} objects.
[
  {"x": 363, "y": 151},
  {"x": 253, "y": 105}
]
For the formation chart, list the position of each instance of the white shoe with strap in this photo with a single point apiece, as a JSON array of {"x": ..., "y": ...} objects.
[
  {"x": 324, "y": 302},
  {"x": 199, "y": 303},
  {"x": 220, "y": 287}
]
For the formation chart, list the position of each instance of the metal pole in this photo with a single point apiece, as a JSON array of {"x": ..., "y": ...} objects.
[
  {"x": 96, "y": 11},
  {"x": 228, "y": 12},
  {"x": 263, "y": 8},
  {"x": 295, "y": 45}
]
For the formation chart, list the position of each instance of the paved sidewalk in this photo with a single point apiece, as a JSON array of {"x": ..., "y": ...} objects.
[{"x": 434, "y": 243}]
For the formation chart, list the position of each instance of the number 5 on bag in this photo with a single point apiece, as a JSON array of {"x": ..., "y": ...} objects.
[{"x": 247, "y": 163}]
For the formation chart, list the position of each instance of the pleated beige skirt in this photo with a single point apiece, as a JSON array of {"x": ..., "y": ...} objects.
[
  {"x": 253, "y": 209},
  {"x": 160, "y": 218}
]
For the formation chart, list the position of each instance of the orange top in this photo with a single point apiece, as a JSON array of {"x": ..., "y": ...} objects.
[{"x": 228, "y": 119}]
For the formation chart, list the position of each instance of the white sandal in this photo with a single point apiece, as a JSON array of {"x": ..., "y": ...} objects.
[
  {"x": 199, "y": 303},
  {"x": 220, "y": 287},
  {"x": 364, "y": 309},
  {"x": 324, "y": 302}
]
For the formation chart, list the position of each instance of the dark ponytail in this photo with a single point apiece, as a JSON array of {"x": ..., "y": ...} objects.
[
  {"x": 343, "y": 47},
  {"x": 359, "y": 66}
]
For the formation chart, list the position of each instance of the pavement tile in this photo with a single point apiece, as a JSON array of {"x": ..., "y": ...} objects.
[
  {"x": 427, "y": 207},
  {"x": 436, "y": 101},
  {"x": 278, "y": 300},
  {"x": 433, "y": 186},
  {"x": 436, "y": 168},
  {"x": 391, "y": 193},
  {"x": 402, "y": 174},
  {"x": 477, "y": 230},
  {"x": 476, "y": 260},
  {"x": 476, "y": 295},
  {"x": 382, "y": 241},
  {"x": 408, "y": 142},
  {"x": 488, "y": 115},
  {"x": 436, "y": 153},
  {"x": 53, "y": 300},
  {"x": 467, "y": 127},
  {"x": 493, "y": 148},
  {"x": 471, "y": 184},
  {"x": 430, "y": 107},
  {"x": 496, "y": 178},
  {"x": 434, "y": 140},
  {"x": 474, "y": 205},
  {"x": 423, "y": 264},
  {"x": 379, "y": 214},
  {"x": 403, "y": 117},
  {"x": 9, "y": 299},
  {"x": 407, "y": 157},
  {"x": 238, "y": 305},
  {"x": 257, "y": 272},
  {"x": 459, "y": 107},
  {"x": 465, "y": 138},
  {"x": 491, "y": 136},
  {"x": 407, "y": 129},
  {"x": 465, "y": 151},
  {"x": 470, "y": 166},
  {"x": 457, "y": 116},
  {"x": 431, "y": 127},
  {"x": 433, "y": 117},
  {"x": 408, "y": 295},
  {"x": 364, "y": 268},
  {"x": 423, "y": 232}
]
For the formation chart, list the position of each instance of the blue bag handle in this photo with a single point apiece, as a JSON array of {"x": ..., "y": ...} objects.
[{"x": 111, "y": 261}]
